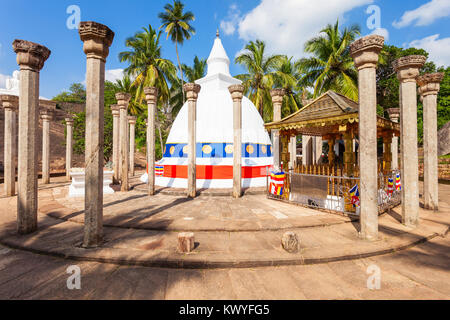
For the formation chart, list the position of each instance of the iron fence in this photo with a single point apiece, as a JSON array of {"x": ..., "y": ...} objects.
[{"x": 335, "y": 192}]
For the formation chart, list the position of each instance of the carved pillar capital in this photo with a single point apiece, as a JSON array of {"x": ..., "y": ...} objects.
[
  {"x": 30, "y": 55},
  {"x": 192, "y": 90},
  {"x": 365, "y": 51},
  {"x": 429, "y": 84},
  {"x": 151, "y": 95},
  {"x": 97, "y": 39},
  {"x": 407, "y": 68}
]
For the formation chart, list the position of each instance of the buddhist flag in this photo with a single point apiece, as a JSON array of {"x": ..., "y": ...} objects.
[
  {"x": 398, "y": 183},
  {"x": 354, "y": 194},
  {"x": 390, "y": 189},
  {"x": 277, "y": 183},
  {"x": 159, "y": 171}
]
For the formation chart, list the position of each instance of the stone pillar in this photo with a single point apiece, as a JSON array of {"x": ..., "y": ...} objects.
[
  {"x": 97, "y": 39},
  {"x": 365, "y": 55},
  {"x": 10, "y": 105},
  {"x": 277, "y": 101},
  {"x": 236, "y": 92},
  {"x": 151, "y": 95},
  {"x": 394, "y": 115},
  {"x": 407, "y": 69},
  {"x": 46, "y": 118},
  {"x": 123, "y": 99},
  {"x": 429, "y": 89},
  {"x": 69, "y": 146},
  {"x": 293, "y": 153},
  {"x": 132, "y": 123},
  {"x": 116, "y": 141},
  {"x": 31, "y": 58},
  {"x": 192, "y": 91}
]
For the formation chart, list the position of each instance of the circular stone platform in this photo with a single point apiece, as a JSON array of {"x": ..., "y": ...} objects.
[{"x": 246, "y": 232}]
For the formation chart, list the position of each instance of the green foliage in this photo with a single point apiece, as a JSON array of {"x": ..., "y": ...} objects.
[
  {"x": 146, "y": 65},
  {"x": 177, "y": 24},
  {"x": 260, "y": 77},
  {"x": 197, "y": 71},
  {"x": 79, "y": 134},
  {"x": 331, "y": 66},
  {"x": 388, "y": 86},
  {"x": 443, "y": 107},
  {"x": 76, "y": 94}
]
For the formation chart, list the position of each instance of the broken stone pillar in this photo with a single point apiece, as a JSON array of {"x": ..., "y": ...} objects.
[
  {"x": 132, "y": 124},
  {"x": 151, "y": 95},
  {"x": 97, "y": 39},
  {"x": 429, "y": 89},
  {"x": 31, "y": 58},
  {"x": 186, "y": 242},
  {"x": 290, "y": 242},
  {"x": 192, "y": 91},
  {"x": 277, "y": 101},
  {"x": 394, "y": 115},
  {"x": 116, "y": 141},
  {"x": 237, "y": 92},
  {"x": 407, "y": 69},
  {"x": 123, "y": 99},
  {"x": 69, "y": 145},
  {"x": 365, "y": 55},
  {"x": 10, "y": 105},
  {"x": 46, "y": 117}
]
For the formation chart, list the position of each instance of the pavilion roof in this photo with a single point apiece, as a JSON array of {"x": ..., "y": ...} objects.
[{"x": 330, "y": 113}]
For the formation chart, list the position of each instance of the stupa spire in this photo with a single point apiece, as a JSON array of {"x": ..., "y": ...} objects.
[{"x": 218, "y": 61}]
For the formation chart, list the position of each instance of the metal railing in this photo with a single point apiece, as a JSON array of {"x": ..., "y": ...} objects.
[{"x": 333, "y": 192}]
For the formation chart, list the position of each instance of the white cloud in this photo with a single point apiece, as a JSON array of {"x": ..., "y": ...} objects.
[
  {"x": 113, "y": 75},
  {"x": 439, "y": 49},
  {"x": 425, "y": 14},
  {"x": 382, "y": 32},
  {"x": 230, "y": 23},
  {"x": 287, "y": 24}
]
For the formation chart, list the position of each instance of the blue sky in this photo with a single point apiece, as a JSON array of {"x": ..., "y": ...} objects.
[{"x": 284, "y": 24}]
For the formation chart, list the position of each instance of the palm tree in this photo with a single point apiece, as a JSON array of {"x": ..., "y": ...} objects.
[
  {"x": 286, "y": 76},
  {"x": 126, "y": 85},
  {"x": 260, "y": 77},
  {"x": 177, "y": 26},
  {"x": 146, "y": 65},
  {"x": 331, "y": 66},
  {"x": 197, "y": 71}
]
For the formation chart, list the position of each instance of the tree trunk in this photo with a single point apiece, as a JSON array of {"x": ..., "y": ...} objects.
[
  {"x": 179, "y": 66},
  {"x": 261, "y": 109}
]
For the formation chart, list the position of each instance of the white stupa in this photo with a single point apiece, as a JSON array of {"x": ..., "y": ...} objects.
[
  {"x": 12, "y": 85},
  {"x": 215, "y": 135}
]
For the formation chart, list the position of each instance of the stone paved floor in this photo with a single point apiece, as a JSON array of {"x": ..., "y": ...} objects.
[
  {"x": 421, "y": 272},
  {"x": 142, "y": 226}
]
